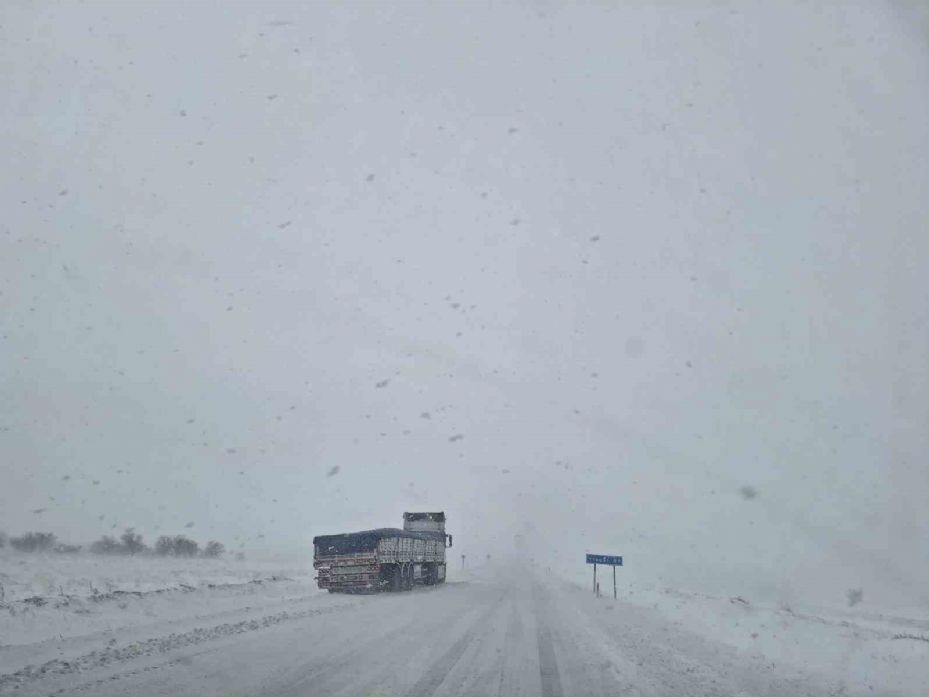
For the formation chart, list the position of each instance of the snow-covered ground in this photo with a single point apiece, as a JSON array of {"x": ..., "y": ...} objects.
[
  {"x": 884, "y": 652},
  {"x": 191, "y": 627}
]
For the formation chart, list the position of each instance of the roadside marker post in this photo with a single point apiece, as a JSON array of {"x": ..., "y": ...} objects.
[{"x": 609, "y": 561}]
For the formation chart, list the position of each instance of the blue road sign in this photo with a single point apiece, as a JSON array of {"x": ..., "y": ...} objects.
[{"x": 604, "y": 559}]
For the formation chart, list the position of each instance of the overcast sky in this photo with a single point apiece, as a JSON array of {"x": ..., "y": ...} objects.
[{"x": 582, "y": 273}]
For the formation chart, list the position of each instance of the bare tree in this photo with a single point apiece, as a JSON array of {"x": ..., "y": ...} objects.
[
  {"x": 132, "y": 541},
  {"x": 164, "y": 546}
]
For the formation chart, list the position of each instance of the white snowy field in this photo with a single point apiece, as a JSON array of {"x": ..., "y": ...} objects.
[
  {"x": 869, "y": 648},
  {"x": 45, "y": 596},
  {"x": 28, "y": 575}
]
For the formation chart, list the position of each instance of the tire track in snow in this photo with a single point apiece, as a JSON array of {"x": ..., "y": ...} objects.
[
  {"x": 548, "y": 665},
  {"x": 514, "y": 632},
  {"x": 315, "y": 675},
  {"x": 436, "y": 674}
]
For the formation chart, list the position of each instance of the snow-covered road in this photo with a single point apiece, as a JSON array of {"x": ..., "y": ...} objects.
[{"x": 506, "y": 635}]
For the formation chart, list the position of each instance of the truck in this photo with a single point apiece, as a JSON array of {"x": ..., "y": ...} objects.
[{"x": 384, "y": 559}]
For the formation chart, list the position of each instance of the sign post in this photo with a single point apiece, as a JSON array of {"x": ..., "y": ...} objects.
[{"x": 609, "y": 561}]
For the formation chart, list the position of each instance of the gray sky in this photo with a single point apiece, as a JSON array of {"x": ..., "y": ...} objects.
[{"x": 638, "y": 255}]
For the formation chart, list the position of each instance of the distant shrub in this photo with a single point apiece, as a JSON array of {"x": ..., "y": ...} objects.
[
  {"x": 132, "y": 542},
  {"x": 178, "y": 546},
  {"x": 239, "y": 556},
  {"x": 214, "y": 549},
  {"x": 3, "y": 539},
  {"x": 185, "y": 547},
  {"x": 106, "y": 545},
  {"x": 34, "y": 542},
  {"x": 62, "y": 548}
]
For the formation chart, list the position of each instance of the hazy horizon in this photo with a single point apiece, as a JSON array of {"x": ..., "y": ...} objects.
[{"x": 583, "y": 276}]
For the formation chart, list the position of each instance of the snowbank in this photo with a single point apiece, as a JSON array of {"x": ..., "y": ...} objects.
[{"x": 851, "y": 648}]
